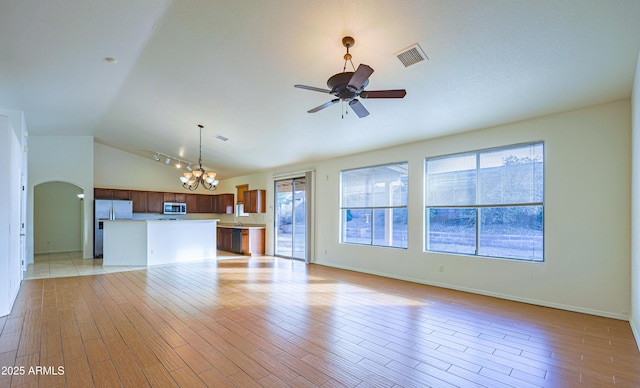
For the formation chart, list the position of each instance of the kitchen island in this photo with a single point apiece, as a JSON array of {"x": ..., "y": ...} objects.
[{"x": 154, "y": 242}]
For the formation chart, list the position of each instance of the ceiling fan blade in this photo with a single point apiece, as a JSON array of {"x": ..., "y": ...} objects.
[
  {"x": 359, "y": 77},
  {"x": 357, "y": 107},
  {"x": 312, "y": 88},
  {"x": 397, "y": 93},
  {"x": 325, "y": 105}
]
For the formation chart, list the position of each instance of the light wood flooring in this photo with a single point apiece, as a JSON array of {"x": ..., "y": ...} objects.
[{"x": 273, "y": 322}]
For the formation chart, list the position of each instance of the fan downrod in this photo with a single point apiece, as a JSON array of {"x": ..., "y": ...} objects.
[{"x": 348, "y": 42}]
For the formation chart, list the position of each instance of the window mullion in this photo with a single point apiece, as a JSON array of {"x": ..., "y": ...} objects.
[{"x": 477, "y": 202}]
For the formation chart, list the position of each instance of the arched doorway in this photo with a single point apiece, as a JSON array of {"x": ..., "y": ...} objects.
[{"x": 58, "y": 218}]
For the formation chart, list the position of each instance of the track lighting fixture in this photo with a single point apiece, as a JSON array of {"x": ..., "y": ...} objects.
[{"x": 168, "y": 160}]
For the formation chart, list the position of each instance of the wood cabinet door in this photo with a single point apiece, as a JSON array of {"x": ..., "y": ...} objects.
[
  {"x": 225, "y": 239},
  {"x": 99, "y": 193},
  {"x": 225, "y": 203},
  {"x": 249, "y": 202},
  {"x": 139, "y": 199},
  {"x": 256, "y": 242},
  {"x": 245, "y": 242},
  {"x": 180, "y": 197},
  {"x": 241, "y": 189},
  {"x": 155, "y": 202},
  {"x": 192, "y": 203},
  {"x": 205, "y": 203},
  {"x": 255, "y": 201},
  {"x": 261, "y": 201},
  {"x": 122, "y": 194},
  {"x": 169, "y": 197},
  {"x": 215, "y": 204}
]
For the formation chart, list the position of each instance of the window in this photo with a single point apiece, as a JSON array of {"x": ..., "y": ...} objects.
[
  {"x": 487, "y": 203},
  {"x": 374, "y": 205}
]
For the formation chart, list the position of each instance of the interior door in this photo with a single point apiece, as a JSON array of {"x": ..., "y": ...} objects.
[{"x": 291, "y": 218}]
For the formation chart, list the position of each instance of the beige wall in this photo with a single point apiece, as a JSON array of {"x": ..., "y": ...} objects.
[
  {"x": 58, "y": 218},
  {"x": 62, "y": 159},
  {"x": 114, "y": 168}
]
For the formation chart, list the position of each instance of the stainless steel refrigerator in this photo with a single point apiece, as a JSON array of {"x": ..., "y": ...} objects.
[{"x": 106, "y": 209}]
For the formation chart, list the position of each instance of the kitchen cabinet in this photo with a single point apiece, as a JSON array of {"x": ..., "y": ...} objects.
[
  {"x": 253, "y": 242},
  {"x": 192, "y": 203},
  {"x": 225, "y": 239},
  {"x": 152, "y": 201},
  {"x": 99, "y": 193},
  {"x": 122, "y": 194},
  {"x": 223, "y": 204},
  {"x": 204, "y": 203},
  {"x": 252, "y": 239},
  {"x": 254, "y": 201},
  {"x": 139, "y": 199},
  {"x": 241, "y": 189},
  {"x": 169, "y": 197},
  {"x": 155, "y": 202}
]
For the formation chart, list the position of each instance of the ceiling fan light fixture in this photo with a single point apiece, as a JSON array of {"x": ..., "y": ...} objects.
[{"x": 348, "y": 86}]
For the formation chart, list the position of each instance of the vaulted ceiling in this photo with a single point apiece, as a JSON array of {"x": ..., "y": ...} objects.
[{"x": 231, "y": 66}]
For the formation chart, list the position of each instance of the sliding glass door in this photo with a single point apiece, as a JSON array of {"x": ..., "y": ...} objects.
[{"x": 291, "y": 218}]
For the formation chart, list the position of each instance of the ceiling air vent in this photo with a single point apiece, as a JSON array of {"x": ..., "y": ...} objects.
[
  {"x": 222, "y": 138},
  {"x": 411, "y": 55}
]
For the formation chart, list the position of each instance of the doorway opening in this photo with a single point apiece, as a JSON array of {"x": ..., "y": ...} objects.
[
  {"x": 58, "y": 218},
  {"x": 291, "y": 209}
]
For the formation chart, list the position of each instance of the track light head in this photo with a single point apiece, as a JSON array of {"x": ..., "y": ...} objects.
[
  {"x": 167, "y": 161},
  {"x": 156, "y": 157}
]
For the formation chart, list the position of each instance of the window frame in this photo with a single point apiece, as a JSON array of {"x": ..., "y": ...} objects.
[
  {"x": 476, "y": 206},
  {"x": 343, "y": 208}
]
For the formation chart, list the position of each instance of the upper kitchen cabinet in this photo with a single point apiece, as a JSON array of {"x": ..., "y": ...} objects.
[
  {"x": 155, "y": 202},
  {"x": 102, "y": 193},
  {"x": 254, "y": 201},
  {"x": 139, "y": 199},
  {"x": 223, "y": 204},
  {"x": 99, "y": 193},
  {"x": 169, "y": 197},
  {"x": 192, "y": 203},
  {"x": 204, "y": 203},
  {"x": 241, "y": 189},
  {"x": 122, "y": 194}
]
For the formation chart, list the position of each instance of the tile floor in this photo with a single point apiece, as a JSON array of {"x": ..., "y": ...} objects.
[{"x": 65, "y": 264}]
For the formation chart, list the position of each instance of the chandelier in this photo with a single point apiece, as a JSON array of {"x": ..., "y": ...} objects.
[{"x": 191, "y": 180}]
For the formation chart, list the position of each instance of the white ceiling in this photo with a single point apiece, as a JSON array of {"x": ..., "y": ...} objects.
[{"x": 231, "y": 66}]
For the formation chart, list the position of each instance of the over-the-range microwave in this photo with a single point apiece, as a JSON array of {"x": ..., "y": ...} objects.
[{"x": 175, "y": 208}]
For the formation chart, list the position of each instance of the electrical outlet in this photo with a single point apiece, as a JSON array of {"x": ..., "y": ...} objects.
[{"x": 441, "y": 269}]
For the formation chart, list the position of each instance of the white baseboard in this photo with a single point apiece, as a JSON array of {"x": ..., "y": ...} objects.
[{"x": 636, "y": 333}]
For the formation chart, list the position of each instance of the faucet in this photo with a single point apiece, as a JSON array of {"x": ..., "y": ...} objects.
[{"x": 239, "y": 223}]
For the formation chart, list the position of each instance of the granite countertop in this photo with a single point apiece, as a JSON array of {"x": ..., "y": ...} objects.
[{"x": 242, "y": 226}]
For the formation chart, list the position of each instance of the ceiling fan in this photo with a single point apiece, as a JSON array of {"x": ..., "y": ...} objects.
[{"x": 348, "y": 86}]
